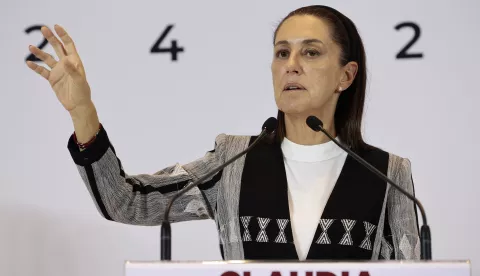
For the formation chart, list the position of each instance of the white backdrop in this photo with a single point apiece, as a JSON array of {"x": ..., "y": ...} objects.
[{"x": 159, "y": 112}]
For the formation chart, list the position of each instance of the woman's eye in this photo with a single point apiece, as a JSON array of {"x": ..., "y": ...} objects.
[
  {"x": 282, "y": 54},
  {"x": 312, "y": 53}
]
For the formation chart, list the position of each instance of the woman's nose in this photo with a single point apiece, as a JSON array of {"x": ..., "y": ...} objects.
[{"x": 293, "y": 66}]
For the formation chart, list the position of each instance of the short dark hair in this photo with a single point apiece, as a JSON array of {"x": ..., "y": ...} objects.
[{"x": 349, "y": 109}]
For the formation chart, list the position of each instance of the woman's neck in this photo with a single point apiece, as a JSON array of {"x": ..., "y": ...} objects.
[{"x": 300, "y": 133}]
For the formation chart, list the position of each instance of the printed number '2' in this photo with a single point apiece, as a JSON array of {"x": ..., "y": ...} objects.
[
  {"x": 403, "y": 52},
  {"x": 44, "y": 43},
  {"x": 174, "y": 49}
]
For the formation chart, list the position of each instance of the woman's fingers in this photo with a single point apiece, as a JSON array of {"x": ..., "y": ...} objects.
[
  {"x": 53, "y": 40},
  {"x": 47, "y": 58},
  {"x": 39, "y": 69},
  {"x": 66, "y": 39}
]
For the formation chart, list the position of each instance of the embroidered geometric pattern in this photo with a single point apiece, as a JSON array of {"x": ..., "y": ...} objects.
[
  {"x": 324, "y": 238},
  {"x": 246, "y": 234},
  {"x": 366, "y": 243},
  {"x": 417, "y": 247},
  {"x": 281, "y": 238},
  {"x": 386, "y": 250},
  {"x": 324, "y": 224},
  {"x": 262, "y": 235},
  {"x": 347, "y": 237},
  {"x": 405, "y": 247}
]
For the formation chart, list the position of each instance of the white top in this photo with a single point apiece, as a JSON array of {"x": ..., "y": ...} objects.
[{"x": 312, "y": 172}]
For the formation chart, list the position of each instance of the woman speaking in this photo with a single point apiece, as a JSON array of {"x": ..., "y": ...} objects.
[{"x": 295, "y": 196}]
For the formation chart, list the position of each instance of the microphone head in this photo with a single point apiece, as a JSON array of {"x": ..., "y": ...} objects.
[
  {"x": 270, "y": 125},
  {"x": 314, "y": 123}
]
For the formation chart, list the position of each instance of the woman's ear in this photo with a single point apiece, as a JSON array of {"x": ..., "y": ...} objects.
[{"x": 348, "y": 76}]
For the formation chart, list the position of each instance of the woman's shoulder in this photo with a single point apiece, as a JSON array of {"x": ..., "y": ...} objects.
[
  {"x": 225, "y": 142},
  {"x": 227, "y": 138},
  {"x": 398, "y": 166},
  {"x": 232, "y": 144},
  {"x": 374, "y": 151}
]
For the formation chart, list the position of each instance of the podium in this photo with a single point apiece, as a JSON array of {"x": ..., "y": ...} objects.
[{"x": 292, "y": 268}]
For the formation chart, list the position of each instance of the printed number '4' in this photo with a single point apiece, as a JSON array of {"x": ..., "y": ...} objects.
[
  {"x": 173, "y": 49},
  {"x": 403, "y": 52}
]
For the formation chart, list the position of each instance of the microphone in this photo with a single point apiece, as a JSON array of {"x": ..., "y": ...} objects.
[
  {"x": 268, "y": 127},
  {"x": 425, "y": 238}
]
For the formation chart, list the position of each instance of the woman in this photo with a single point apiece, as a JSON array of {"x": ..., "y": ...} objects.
[{"x": 297, "y": 197}]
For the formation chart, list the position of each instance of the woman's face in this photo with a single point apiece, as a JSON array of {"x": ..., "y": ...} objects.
[{"x": 306, "y": 66}]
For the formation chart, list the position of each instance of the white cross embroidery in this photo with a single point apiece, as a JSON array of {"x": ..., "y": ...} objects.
[
  {"x": 324, "y": 224},
  {"x": 348, "y": 224},
  {"x": 246, "y": 233},
  {"x": 262, "y": 235},
  {"x": 282, "y": 224},
  {"x": 366, "y": 243}
]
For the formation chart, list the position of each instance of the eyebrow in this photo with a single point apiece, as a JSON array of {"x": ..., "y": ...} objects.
[{"x": 306, "y": 41}]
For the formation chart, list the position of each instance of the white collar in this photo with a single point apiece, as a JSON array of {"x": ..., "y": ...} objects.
[{"x": 310, "y": 153}]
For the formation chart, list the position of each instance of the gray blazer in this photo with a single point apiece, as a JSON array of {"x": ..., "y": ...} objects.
[{"x": 141, "y": 199}]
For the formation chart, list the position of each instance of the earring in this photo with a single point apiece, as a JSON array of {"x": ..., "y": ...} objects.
[{"x": 339, "y": 89}]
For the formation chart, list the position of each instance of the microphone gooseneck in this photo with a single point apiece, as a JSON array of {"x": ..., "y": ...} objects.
[
  {"x": 425, "y": 237},
  {"x": 166, "y": 236}
]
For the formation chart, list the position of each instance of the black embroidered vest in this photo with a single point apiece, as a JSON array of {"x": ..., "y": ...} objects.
[{"x": 347, "y": 227}]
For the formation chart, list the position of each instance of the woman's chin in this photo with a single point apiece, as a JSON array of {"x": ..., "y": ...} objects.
[
  {"x": 293, "y": 104},
  {"x": 294, "y": 109}
]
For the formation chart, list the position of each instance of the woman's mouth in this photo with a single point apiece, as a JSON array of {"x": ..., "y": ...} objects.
[{"x": 293, "y": 87}]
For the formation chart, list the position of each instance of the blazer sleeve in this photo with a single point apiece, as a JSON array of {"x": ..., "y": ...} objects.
[
  {"x": 142, "y": 199},
  {"x": 402, "y": 214}
]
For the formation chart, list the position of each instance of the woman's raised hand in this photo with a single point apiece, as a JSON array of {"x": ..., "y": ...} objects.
[{"x": 66, "y": 75}]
